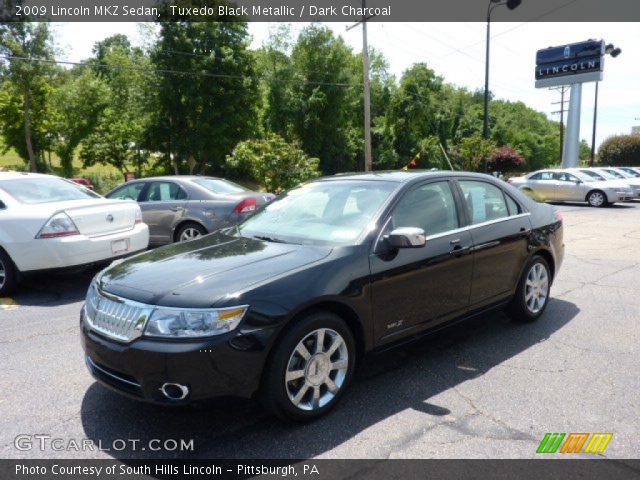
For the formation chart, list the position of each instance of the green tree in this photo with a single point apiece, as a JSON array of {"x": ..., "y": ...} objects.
[
  {"x": 413, "y": 110},
  {"x": 474, "y": 150},
  {"x": 207, "y": 94},
  {"x": 527, "y": 130},
  {"x": 25, "y": 85},
  {"x": 77, "y": 101},
  {"x": 323, "y": 99},
  {"x": 119, "y": 137},
  {"x": 273, "y": 162}
]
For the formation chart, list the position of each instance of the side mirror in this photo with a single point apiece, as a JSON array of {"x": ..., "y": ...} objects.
[
  {"x": 407, "y": 237},
  {"x": 578, "y": 182}
]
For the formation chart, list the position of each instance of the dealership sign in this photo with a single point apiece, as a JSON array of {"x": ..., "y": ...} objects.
[{"x": 568, "y": 64}]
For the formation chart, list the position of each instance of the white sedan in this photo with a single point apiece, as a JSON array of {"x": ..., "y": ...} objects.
[{"x": 47, "y": 222}]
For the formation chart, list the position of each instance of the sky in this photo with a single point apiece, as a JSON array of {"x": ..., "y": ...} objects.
[{"x": 456, "y": 52}]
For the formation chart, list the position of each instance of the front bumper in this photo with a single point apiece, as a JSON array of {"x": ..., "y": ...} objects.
[{"x": 228, "y": 365}]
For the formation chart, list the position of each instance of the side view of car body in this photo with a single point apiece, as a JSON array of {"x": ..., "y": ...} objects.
[
  {"x": 572, "y": 185},
  {"x": 283, "y": 305},
  {"x": 616, "y": 175},
  {"x": 47, "y": 222},
  {"x": 633, "y": 171},
  {"x": 179, "y": 208}
]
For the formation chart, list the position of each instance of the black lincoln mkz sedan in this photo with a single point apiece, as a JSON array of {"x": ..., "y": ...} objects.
[{"x": 283, "y": 305}]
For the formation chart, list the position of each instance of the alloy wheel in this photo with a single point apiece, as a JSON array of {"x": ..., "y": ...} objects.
[
  {"x": 189, "y": 233},
  {"x": 596, "y": 199},
  {"x": 3, "y": 274},
  {"x": 536, "y": 288},
  {"x": 317, "y": 369}
]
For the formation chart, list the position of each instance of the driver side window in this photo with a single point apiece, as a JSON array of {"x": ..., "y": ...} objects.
[{"x": 430, "y": 207}]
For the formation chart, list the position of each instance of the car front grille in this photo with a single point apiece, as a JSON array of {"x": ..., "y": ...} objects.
[{"x": 115, "y": 317}]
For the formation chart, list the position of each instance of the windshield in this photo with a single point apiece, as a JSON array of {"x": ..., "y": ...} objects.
[
  {"x": 217, "y": 185},
  {"x": 34, "y": 190},
  {"x": 614, "y": 174},
  {"x": 590, "y": 176},
  {"x": 320, "y": 213},
  {"x": 630, "y": 171}
]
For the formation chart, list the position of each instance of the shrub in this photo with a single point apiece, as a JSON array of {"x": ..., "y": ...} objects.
[
  {"x": 272, "y": 162},
  {"x": 103, "y": 182},
  {"x": 620, "y": 150},
  {"x": 505, "y": 159}
]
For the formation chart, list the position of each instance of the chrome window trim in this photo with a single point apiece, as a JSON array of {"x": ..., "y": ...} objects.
[
  {"x": 456, "y": 230},
  {"x": 478, "y": 225}
]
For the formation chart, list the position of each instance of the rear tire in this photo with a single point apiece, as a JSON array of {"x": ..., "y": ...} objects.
[
  {"x": 310, "y": 369},
  {"x": 532, "y": 295},
  {"x": 8, "y": 274},
  {"x": 597, "y": 198},
  {"x": 190, "y": 231}
]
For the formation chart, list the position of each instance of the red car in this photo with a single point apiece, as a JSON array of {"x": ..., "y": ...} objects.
[{"x": 85, "y": 182}]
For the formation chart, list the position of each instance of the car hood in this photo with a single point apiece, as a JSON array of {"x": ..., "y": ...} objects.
[{"x": 212, "y": 270}]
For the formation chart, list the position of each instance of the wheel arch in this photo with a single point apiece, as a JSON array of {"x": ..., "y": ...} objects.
[
  {"x": 182, "y": 223},
  {"x": 339, "y": 309},
  {"x": 606, "y": 197},
  {"x": 548, "y": 256}
]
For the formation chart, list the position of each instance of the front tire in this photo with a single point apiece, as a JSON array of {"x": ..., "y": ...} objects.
[
  {"x": 532, "y": 295},
  {"x": 597, "y": 199},
  {"x": 312, "y": 366},
  {"x": 8, "y": 274}
]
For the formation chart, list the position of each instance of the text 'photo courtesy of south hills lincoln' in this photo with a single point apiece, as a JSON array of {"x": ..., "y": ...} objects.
[{"x": 325, "y": 239}]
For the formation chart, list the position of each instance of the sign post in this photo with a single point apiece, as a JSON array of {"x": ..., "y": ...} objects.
[{"x": 573, "y": 65}]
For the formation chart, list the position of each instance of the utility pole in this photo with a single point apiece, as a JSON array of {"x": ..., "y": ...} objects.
[
  {"x": 563, "y": 89},
  {"x": 368, "y": 163},
  {"x": 595, "y": 122}
]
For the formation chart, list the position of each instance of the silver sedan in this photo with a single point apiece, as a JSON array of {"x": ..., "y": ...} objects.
[
  {"x": 558, "y": 185},
  {"x": 181, "y": 207}
]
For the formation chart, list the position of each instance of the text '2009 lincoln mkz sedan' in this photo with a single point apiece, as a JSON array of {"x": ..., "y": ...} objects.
[{"x": 283, "y": 305}]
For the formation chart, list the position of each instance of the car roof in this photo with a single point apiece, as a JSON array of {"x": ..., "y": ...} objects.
[
  {"x": 401, "y": 176},
  {"x": 14, "y": 175},
  {"x": 175, "y": 178}
]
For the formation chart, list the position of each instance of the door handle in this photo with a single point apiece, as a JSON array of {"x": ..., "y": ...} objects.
[
  {"x": 176, "y": 209},
  {"x": 459, "y": 250},
  {"x": 524, "y": 232}
]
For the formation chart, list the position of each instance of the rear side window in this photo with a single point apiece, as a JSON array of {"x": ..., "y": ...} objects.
[
  {"x": 484, "y": 201},
  {"x": 218, "y": 185},
  {"x": 430, "y": 207},
  {"x": 542, "y": 176},
  {"x": 165, "y": 191},
  {"x": 130, "y": 191}
]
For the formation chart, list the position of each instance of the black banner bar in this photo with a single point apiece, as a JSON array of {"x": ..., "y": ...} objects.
[
  {"x": 316, "y": 11},
  {"x": 566, "y": 469}
]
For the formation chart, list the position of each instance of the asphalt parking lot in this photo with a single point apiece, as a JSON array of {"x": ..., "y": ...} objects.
[{"x": 484, "y": 389}]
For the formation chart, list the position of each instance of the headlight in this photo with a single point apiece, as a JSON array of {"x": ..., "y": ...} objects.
[{"x": 193, "y": 323}]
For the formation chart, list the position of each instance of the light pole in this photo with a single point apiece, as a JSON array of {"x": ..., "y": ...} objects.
[
  {"x": 511, "y": 4},
  {"x": 614, "y": 52}
]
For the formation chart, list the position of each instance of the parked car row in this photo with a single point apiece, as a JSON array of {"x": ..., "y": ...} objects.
[
  {"x": 49, "y": 223},
  {"x": 598, "y": 187}
]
